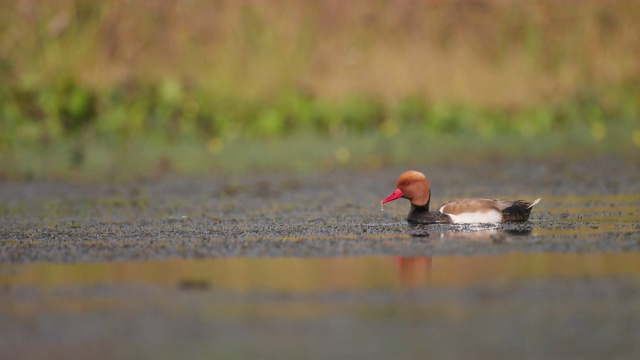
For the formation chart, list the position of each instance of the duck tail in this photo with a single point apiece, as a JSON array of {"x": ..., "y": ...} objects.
[{"x": 536, "y": 201}]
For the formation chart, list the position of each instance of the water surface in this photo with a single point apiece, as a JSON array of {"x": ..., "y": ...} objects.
[
  {"x": 327, "y": 274},
  {"x": 309, "y": 267}
]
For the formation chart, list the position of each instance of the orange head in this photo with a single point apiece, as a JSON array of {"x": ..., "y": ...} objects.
[{"x": 411, "y": 185}]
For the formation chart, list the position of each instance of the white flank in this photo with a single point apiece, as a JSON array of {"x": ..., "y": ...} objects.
[{"x": 492, "y": 216}]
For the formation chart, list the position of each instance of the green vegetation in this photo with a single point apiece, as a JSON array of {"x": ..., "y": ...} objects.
[{"x": 92, "y": 85}]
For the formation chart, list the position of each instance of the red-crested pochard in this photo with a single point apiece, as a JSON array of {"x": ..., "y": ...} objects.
[{"x": 413, "y": 185}]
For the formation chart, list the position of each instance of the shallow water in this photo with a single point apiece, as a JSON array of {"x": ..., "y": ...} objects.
[
  {"x": 309, "y": 267},
  {"x": 81, "y": 231},
  {"x": 515, "y": 304},
  {"x": 300, "y": 275}
]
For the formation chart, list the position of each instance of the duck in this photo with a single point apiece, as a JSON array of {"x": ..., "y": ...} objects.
[{"x": 414, "y": 186}]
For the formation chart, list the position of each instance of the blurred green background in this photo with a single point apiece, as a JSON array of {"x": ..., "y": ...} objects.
[{"x": 120, "y": 89}]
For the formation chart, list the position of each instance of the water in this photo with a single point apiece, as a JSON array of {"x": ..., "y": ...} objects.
[
  {"x": 502, "y": 305},
  {"x": 312, "y": 269},
  {"x": 297, "y": 275}
]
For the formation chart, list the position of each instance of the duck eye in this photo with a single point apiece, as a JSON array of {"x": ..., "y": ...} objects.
[{"x": 405, "y": 183}]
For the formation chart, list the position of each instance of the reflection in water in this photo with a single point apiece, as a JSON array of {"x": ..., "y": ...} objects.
[
  {"x": 297, "y": 275},
  {"x": 414, "y": 271},
  {"x": 471, "y": 232},
  {"x": 417, "y": 271}
]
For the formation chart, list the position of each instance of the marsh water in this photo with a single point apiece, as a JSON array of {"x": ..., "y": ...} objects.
[
  {"x": 306, "y": 266},
  {"x": 312, "y": 275}
]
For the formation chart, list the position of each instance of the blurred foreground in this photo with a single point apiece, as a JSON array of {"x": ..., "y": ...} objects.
[{"x": 477, "y": 307}]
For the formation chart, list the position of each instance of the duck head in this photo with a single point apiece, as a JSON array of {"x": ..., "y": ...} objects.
[{"x": 411, "y": 185}]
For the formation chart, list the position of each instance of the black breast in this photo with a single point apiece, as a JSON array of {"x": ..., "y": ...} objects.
[{"x": 422, "y": 215}]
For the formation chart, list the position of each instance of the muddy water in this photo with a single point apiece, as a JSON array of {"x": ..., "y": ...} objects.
[
  {"x": 105, "y": 229},
  {"x": 290, "y": 267},
  {"x": 297, "y": 275},
  {"x": 536, "y": 305}
]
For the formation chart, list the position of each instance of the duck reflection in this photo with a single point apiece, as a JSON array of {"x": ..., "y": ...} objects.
[
  {"x": 414, "y": 271},
  {"x": 470, "y": 232}
]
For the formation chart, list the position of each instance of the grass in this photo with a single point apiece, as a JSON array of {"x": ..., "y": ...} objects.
[
  {"x": 306, "y": 151},
  {"x": 90, "y": 86}
]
